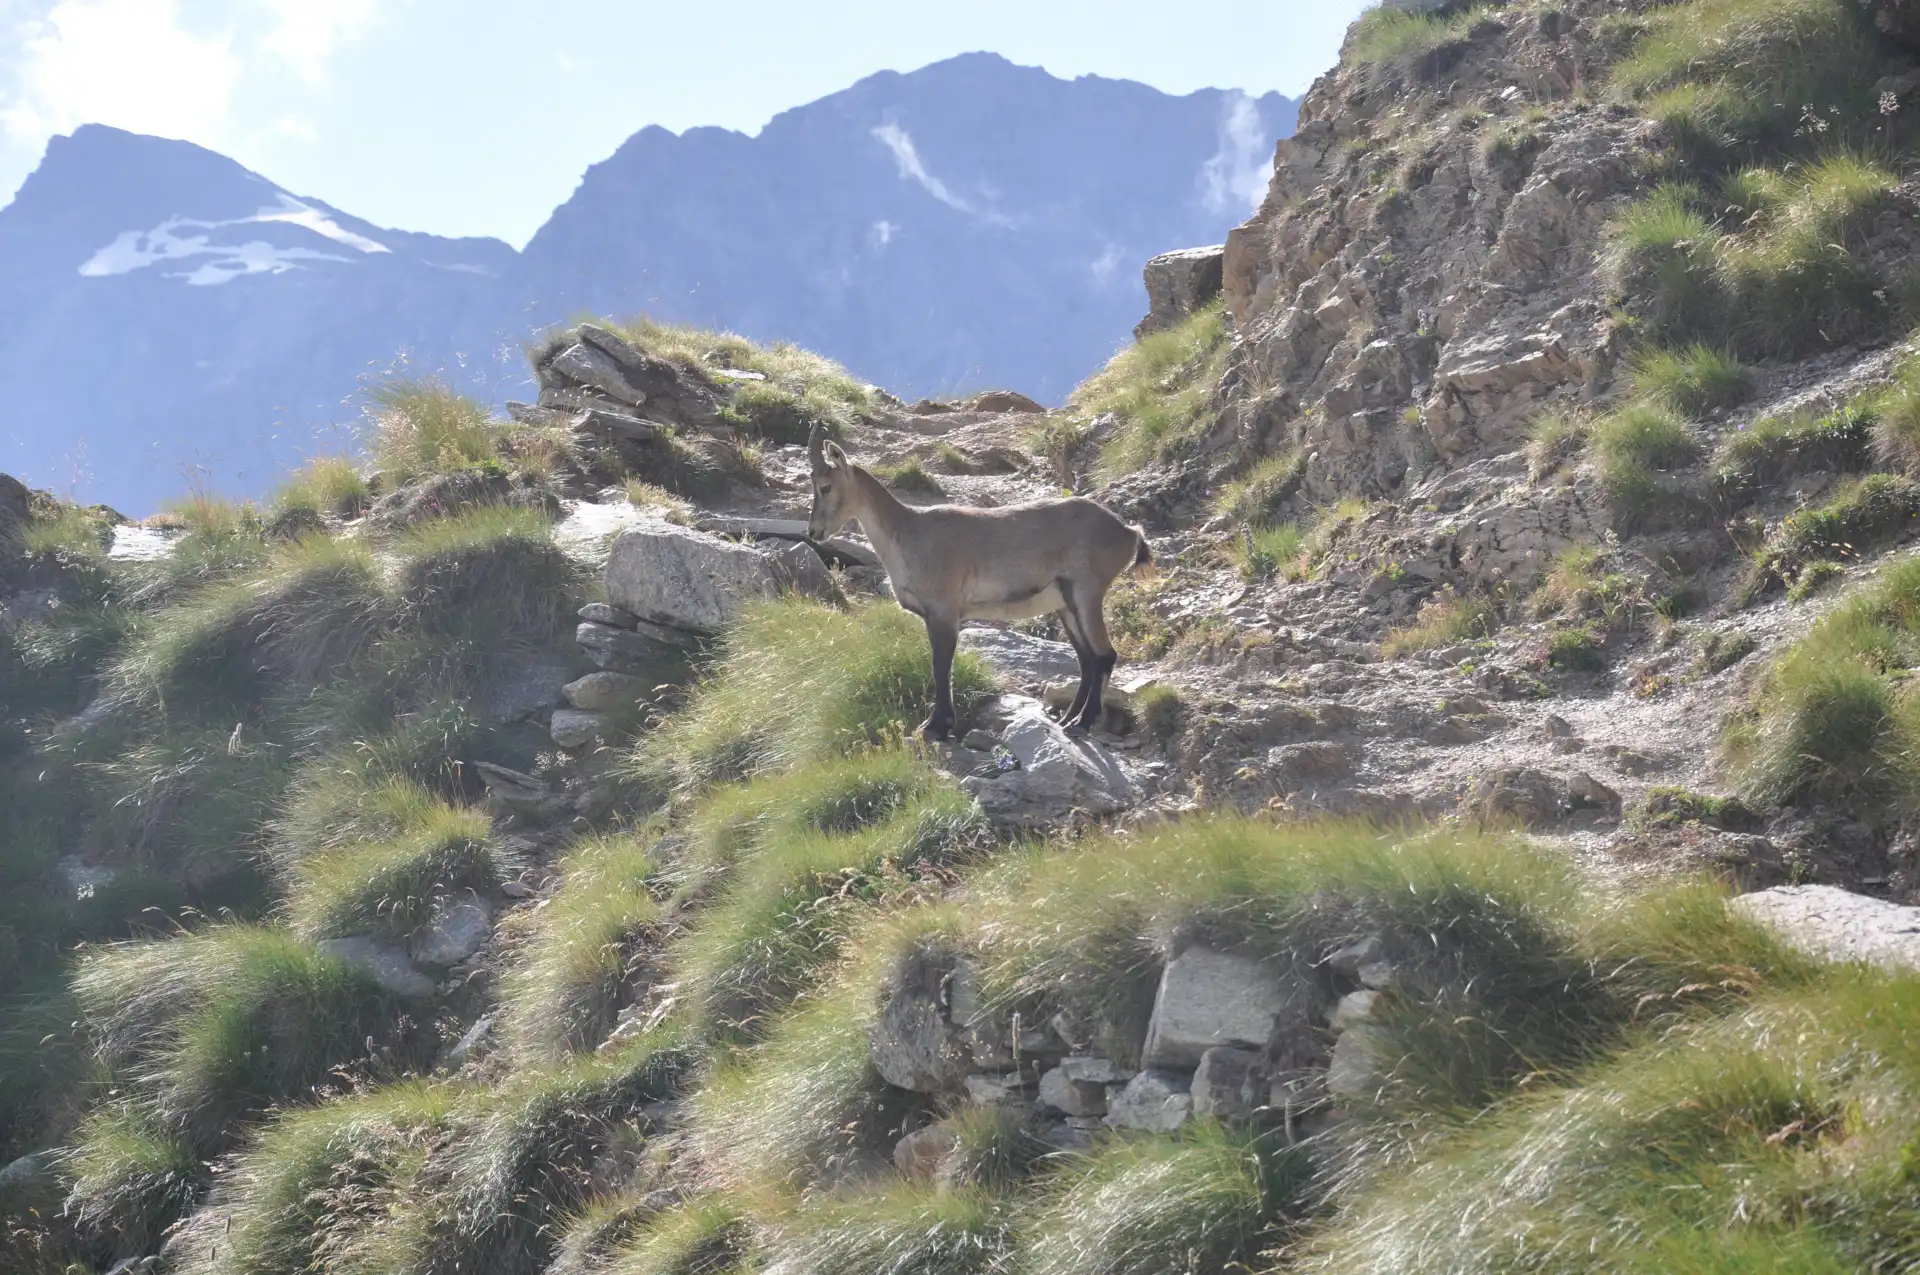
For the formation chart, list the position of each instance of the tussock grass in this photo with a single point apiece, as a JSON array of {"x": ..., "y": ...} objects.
[
  {"x": 422, "y": 427},
  {"x": 522, "y": 1158},
  {"x": 910, "y": 475},
  {"x": 786, "y": 418},
  {"x": 128, "y": 1182},
  {"x": 1388, "y": 46},
  {"x": 1158, "y": 391},
  {"x": 1209, "y": 1201},
  {"x": 1862, "y": 515},
  {"x": 391, "y": 889},
  {"x": 1161, "y": 709},
  {"x": 66, "y": 533},
  {"x": 578, "y": 956},
  {"x": 1257, "y": 496},
  {"x": 1262, "y": 552},
  {"x": 1584, "y": 584},
  {"x": 823, "y": 388},
  {"x": 326, "y": 486},
  {"x": 645, "y": 495},
  {"x": 1770, "y": 1139},
  {"x": 1896, "y": 419},
  {"x": 1553, "y": 438},
  {"x": 1694, "y": 380},
  {"x": 798, "y": 682},
  {"x": 1832, "y": 720},
  {"x": 1777, "y": 449},
  {"x": 607, "y": 1223},
  {"x": 491, "y": 567},
  {"x": 213, "y": 1027},
  {"x": 1631, "y": 447},
  {"x": 708, "y": 1235},
  {"x": 1736, "y": 77},
  {"x": 318, "y": 1188},
  {"x": 787, "y": 911},
  {"x": 1445, "y": 619},
  {"x": 1784, "y": 281},
  {"x": 881, "y": 1232}
]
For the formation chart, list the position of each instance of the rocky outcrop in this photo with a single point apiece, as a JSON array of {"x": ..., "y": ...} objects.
[
  {"x": 1053, "y": 775},
  {"x": 1179, "y": 283},
  {"x": 16, "y": 506},
  {"x": 1838, "y": 925},
  {"x": 686, "y": 580}
]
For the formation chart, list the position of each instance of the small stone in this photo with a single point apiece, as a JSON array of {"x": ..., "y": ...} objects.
[
  {"x": 471, "y": 1043},
  {"x": 455, "y": 933},
  {"x": 573, "y": 728},
  {"x": 1095, "y": 1070},
  {"x": 387, "y": 966},
  {"x": 1584, "y": 790},
  {"x": 1354, "y": 1007},
  {"x": 1209, "y": 998},
  {"x": 1154, "y": 1102},
  {"x": 1229, "y": 1083},
  {"x": 997, "y": 1089},
  {"x": 918, "y": 1155},
  {"x": 625, "y": 650},
  {"x": 517, "y": 890},
  {"x": 514, "y": 787},
  {"x": 605, "y": 613},
  {"x": 598, "y": 692},
  {"x": 981, "y": 741},
  {"x": 1062, "y": 1092}
]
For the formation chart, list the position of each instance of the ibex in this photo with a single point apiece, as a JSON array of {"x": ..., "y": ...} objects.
[{"x": 949, "y": 563}]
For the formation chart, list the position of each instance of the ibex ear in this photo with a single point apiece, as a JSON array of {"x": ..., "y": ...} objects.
[{"x": 835, "y": 457}]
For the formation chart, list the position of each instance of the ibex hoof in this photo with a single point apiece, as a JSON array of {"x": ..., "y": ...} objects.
[
  {"x": 1076, "y": 730},
  {"x": 933, "y": 731}
]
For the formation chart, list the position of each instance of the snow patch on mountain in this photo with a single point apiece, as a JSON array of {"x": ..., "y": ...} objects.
[{"x": 137, "y": 249}]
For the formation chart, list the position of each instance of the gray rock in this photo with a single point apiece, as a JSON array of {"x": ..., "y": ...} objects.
[
  {"x": 1019, "y": 659},
  {"x": 1058, "y": 775},
  {"x": 83, "y": 878},
  {"x": 918, "y": 1155},
  {"x": 576, "y": 728},
  {"x": 686, "y": 579},
  {"x": 1365, "y": 962},
  {"x": 998, "y": 1089},
  {"x": 913, "y": 1043},
  {"x": 1838, "y": 925},
  {"x": 583, "y": 364},
  {"x": 455, "y": 932},
  {"x": 20, "y": 1173},
  {"x": 1178, "y": 283},
  {"x": 537, "y": 417},
  {"x": 1209, "y": 998},
  {"x": 1153, "y": 1101},
  {"x": 837, "y": 551},
  {"x": 1061, "y": 1092},
  {"x": 616, "y": 427},
  {"x": 673, "y": 393},
  {"x": 598, "y": 692},
  {"x": 1354, "y": 1008},
  {"x": 529, "y": 686},
  {"x": 1095, "y": 1070},
  {"x": 805, "y": 572},
  {"x": 603, "y": 613},
  {"x": 387, "y": 966},
  {"x": 16, "y": 506},
  {"x": 628, "y": 650},
  {"x": 1229, "y": 1084},
  {"x": 471, "y": 1044},
  {"x": 514, "y": 787}
]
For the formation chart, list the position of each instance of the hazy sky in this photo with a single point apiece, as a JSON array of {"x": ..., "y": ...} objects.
[{"x": 477, "y": 117}]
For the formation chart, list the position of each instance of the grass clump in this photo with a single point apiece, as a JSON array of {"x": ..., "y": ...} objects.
[
  {"x": 824, "y": 389},
  {"x": 490, "y": 569},
  {"x": 324, "y": 487},
  {"x": 1576, "y": 649},
  {"x": 65, "y": 532},
  {"x": 1693, "y": 380},
  {"x": 422, "y": 427},
  {"x": 393, "y": 889},
  {"x": 211, "y": 1028},
  {"x": 1584, "y": 584},
  {"x": 1210, "y": 1201},
  {"x": 1631, "y": 448},
  {"x": 1777, "y": 449},
  {"x": 1157, "y": 392},
  {"x": 1446, "y": 619},
  {"x": 580, "y": 958},
  {"x": 777, "y": 416},
  {"x": 128, "y": 1182},
  {"x": 1721, "y": 651},
  {"x": 645, "y": 495},
  {"x": 1833, "y": 720},
  {"x": 1553, "y": 438},
  {"x": 1672, "y": 807},
  {"x": 705, "y": 1236},
  {"x": 910, "y": 475},
  {"x": 796, "y": 682},
  {"x": 1262, "y": 552},
  {"x": 881, "y": 1232},
  {"x": 1160, "y": 709},
  {"x": 1896, "y": 420},
  {"x": 1863, "y": 515},
  {"x": 1258, "y": 496}
]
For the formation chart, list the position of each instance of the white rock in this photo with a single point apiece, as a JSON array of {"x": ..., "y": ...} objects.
[
  {"x": 688, "y": 580},
  {"x": 1838, "y": 925},
  {"x": 1209, "y": 998},
  {"x": 575, "y": 728},
  {"x": 387, "y": 966},
  {"x": 1153, "y": 1102}
]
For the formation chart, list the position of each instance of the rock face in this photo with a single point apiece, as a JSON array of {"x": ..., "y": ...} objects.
[
  {"x": 454, "y": 933},
  {"x": 16, "y": 506},
  {"x": 1837, "y": 924},
  {"x": 1178, "y": 283},
  {"x": 1021, "y": 660},
  {"x": 1208, "y": 998},
  {"x": 686, "y": 580}
]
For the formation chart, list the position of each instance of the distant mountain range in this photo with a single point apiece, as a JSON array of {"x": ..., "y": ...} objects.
[{"x": 971, "y": 224}]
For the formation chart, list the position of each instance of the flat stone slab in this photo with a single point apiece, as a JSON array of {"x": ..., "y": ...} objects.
[
  {"x": 1022, "y": 660},
  {"x": 845, "y": 551},
  {"x": 1838, "y": 925}
]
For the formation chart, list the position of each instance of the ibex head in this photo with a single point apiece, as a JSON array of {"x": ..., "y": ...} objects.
[{"x": 832, "y": 487}]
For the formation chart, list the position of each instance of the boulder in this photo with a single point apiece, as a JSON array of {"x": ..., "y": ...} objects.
[
  {"x": 918, "y": 1155},
  {"x": 387, "y": 966},
  {"x": 1095, "y": 1070},
  {"x": 439, "y": 494},
  {"x": 805, "y": 572},
  {"x": 1021, "y": 660},
  {"x": 512, "y": 787},
  {"x": 1153, "y": 1102},
  {"x": 913, "y": 1043},
  {"x": 1838, "y": 925},
  {"x": 604, "y": 613},
  {"x": 1058, "y": 775},
  {"x": 689, "y": 580},
  {"x": 598, "y": 692},
  {"x": 1208, "y": 998},
  {"x": 455, "y": 932},
  {"x": 1061, "y": 1092},
  {"x": 1004, "y": 402},
  {"x": 1364, "y": 962},
  {"x": 588, "y": 366},
  {"x": 1179, "y": 283},
  {"x": 628, "y": 650},
  {"x": 615, "y": 427},
  {"x": 835, "y": 552},
  {"x": 673, "y": 393},
  {"x": 1229, "y": 1084},
  {"x": 576, "y": 728}
]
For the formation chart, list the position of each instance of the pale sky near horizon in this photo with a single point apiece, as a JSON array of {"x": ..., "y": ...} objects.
[{"x": 478, "y": 117}]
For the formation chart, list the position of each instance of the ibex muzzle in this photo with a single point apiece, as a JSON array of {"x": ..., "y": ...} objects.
[{"x": 949, "y": 563}]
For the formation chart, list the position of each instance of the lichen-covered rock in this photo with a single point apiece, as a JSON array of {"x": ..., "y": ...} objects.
[
  {"x": 455, "y": 931},
  {"x": 1208, "y": 998},
  {"x": 576, "y": 728}
]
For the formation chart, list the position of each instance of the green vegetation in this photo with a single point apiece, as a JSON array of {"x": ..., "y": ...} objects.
[
  {"x": 1896, "y": 422},
  {"x": 326, "y": 486},
  {"x": 1672, "y": 807},
  {"x": 1160, "y": 709},
  {"x": 887, "y": 1231},
  {"x": 1785, "y": 281},
  {"x": 706, "y": 1236},
  {"x": 1390, "y": 45},
  {"x": 1777, "y": 449},
  {"x": 1553, "y": 438},
  {"x": 1693, "y": 381},
  {"x": 910, "y": 475},
  {"x": 422, "y": 427},
  {"x": 1262, "y": 552},
  {"x": 1860, "y": 516},
  {"x": 1632, "y": 447},
  {"x": 1446, "y": 619},
  {"x": 1157, "y": 390},
  {"x": 1257, "y": 496},
  {"x": 392, "y": 888},
  {"x": 1576, "y": 649},
  {"x": 800, "y": 386},
  {"x": 1833, "y": 719}
]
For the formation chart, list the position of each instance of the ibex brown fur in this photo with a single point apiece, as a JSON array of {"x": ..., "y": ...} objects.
[{"x": 949, "y": 563}]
